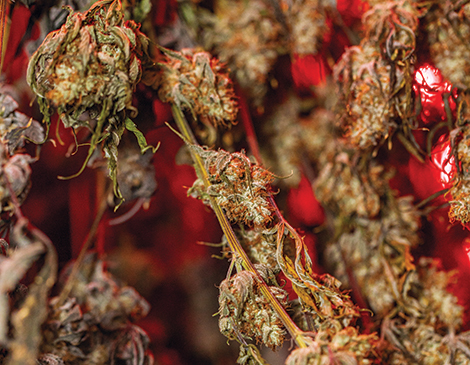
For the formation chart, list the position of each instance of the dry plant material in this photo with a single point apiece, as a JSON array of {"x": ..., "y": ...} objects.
[
  {"x": 197, "y": 82},
  {"x": 238, "y": 186},
  {"x": 88, "y": 70},
  {"x": 308, "y": 24},
  {"x": 16, "y": 127},
  {"x": 247, "y": 36},
  {"x": 447, "y": 26},
  {"x": 15, "y": 175},
  {"x": 349, "y": 189},
  {"x": 375, "y": 77},
  {"x": 460, "y": 191},
  {"x": 244, "y": 311},
  {"x": 364, "y": 80},
  {"x": 136, "y": 173},
  {"x": 344, "y": 347},
  {"x": 285, "y": 139},
  {"x": 95, "y": 324}
]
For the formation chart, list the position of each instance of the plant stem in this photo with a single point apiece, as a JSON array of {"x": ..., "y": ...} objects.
[{"x": 235, "y": 246}]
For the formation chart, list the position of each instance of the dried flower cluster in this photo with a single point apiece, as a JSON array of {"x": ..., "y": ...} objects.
[
  {"x": 373, "y": 75},
  {"x": 15, "y": 126},
  {"x": 238, "y": 186},
  {"x": 307, "y": 21},
  {"x": 88, "y": 70},
  {"x": 260, "y": 246},
  {"x": 245, "y": 312},
  {"x": 460, "y": 191},
  {"x": 346, "y": 346},
  {"x": 247, "y": 36},
  {"x": 447, "y": 28},
  {"x": 197, "y": 82},
  {"x": 89, "y": 65},
  {"x": 94, "y": 324},
  {"x": 284, "y": 136}
]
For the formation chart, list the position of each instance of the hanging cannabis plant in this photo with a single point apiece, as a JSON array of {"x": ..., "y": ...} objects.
[{"x": 87, "y": 70}]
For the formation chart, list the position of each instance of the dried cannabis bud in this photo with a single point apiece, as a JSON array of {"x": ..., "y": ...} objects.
[
  {"x": 245, "y": 310},
  {"x": 448, "y": 28},
  {"x": 460, "y": 191},
  {"x": 91, "y": 64},
  {"x": 260, "y": 247},
  {"x": 350, "y": 189},
  {"x": 307, "y": 21},
  {"x": 15, "y": 174},
  {"x": 375, "y": 77},
  {"x": 239, "y": 187},
  {"x": 198, "y": 82},
  {"x": 136, "y": 174},
  {"x": 392, "y": 25},
  {"x": 364, "y": 79},
  {"x": 15, "y": 127},
  {"x": 284, "y": 135},
  {"x": 331, "y": 346},
  {"x": 88, "y": 70},
  {"x": 94, "y": 325},
  {"x": 368, "y": 245},
  {"x": 247, "y": 36}
]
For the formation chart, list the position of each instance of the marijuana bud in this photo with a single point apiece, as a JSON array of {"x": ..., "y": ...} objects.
[
  {"x": 307, "y": 20},
  {"x": 15, "y": 127},
  {"x": 247, "y": 36},
  {"x": 241, "y": 188},
  {"x": 198, "y": 82},
  {"x": 88, "y": 70},
  {"x": 365, "y": 85},
  {"x": 91, "y": 64},
  {"x": 460, "y": 191},
  {"x": 243, "y": 309},
  {"x": 447, "y": 26}
]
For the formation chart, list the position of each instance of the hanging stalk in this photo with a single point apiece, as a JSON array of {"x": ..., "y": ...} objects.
[{"x": 296, "y": 333}]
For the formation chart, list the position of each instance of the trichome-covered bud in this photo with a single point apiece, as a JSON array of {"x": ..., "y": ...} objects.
[
  {"x": 364, "y": 81},
  {"x": 136, "y": 173},
  {"x": 460, "y": 191},
  {"x": 350, "y": 189},
  {"x": 307, "y": 23},
  {"x": 260, "y": 246},
  {"x": 88, "y": 70},
  {"x": 247, "y": 36},
  {"x": 448, "y": 29},
  {"x": 97, "y": 316},
  {"x": 241, "y": 188},
  {"x": 198, "y": 82},
  {"x": 392, "y": 25},
  {"x": 336, "y": 347},
  {"x": 91, "y": 64},
  {"x": 244, "y": 310},
  {"x": 15, "y": 174}
]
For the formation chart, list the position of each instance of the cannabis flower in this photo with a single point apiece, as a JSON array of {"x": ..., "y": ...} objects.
[
  {"x": 200, "y": 83},
  {"x": 245, "y": 310},
  {"x": 239, "y": 187},
  {"x": 91, "y": 64},
  {"x": 88, "y": 70}
]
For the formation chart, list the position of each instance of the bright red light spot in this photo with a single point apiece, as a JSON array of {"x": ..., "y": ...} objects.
[
  {"x": 467, "y": 250},
  {"x": 431, "y": 86},
  {"x": 442, "y": 158},
  {"x": 428, "y": 76}
]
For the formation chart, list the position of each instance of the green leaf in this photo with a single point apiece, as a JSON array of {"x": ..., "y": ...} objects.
[{"x": 144, "y": 146}]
